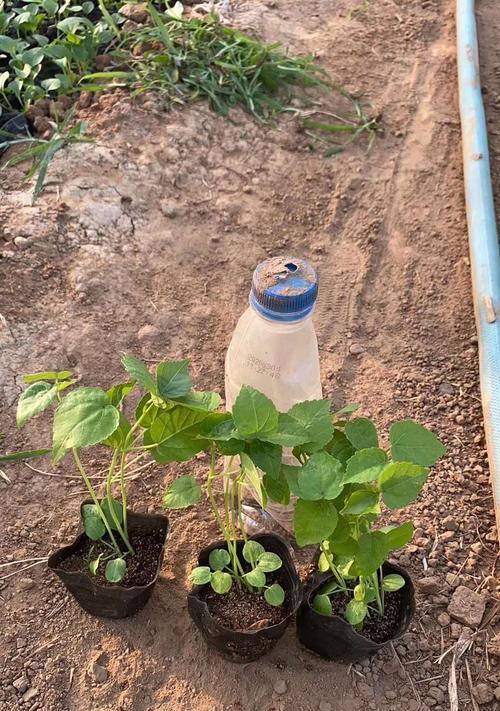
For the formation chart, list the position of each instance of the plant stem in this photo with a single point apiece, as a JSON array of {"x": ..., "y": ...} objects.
[
  {"x": 338, "y": 577},
  {"x": 109, "y": 496},
  {"x": 95, "y": 499},
  {"x": 378, "y": 597}
]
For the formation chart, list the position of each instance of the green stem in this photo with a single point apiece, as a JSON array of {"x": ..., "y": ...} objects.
[
  {"x": 109, "y": 496},
  {"x": 378, "y": 597},
  {"x": 338, "y": 577},
  {"x": 95, "y": 499}
]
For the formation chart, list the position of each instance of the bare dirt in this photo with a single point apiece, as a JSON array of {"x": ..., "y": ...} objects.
[{"x": 145, "y": 242}]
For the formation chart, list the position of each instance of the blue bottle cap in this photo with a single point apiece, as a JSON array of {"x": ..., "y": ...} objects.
[{"x": 284, "y": 288}]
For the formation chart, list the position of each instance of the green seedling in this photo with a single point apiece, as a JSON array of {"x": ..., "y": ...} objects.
[
  {"x": 252, "y": 438},
  {"x": 340, "y": 493},
  {"x": 164, "y": 425}
]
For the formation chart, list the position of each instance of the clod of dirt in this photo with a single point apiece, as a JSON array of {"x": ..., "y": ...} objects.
[
  {"x": 483, "y": 693},
  {"x": 428, "y": 586},
  {"x": 136, "y": 12},
  {"x": 467, "y": 606}
]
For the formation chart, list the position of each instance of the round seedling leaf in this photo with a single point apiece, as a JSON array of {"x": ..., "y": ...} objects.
[
  {"x": 256, "y": 577},
  {"x": 218, "y": 559},
  {"x": 251, "y": 551},
  {"x": 393, "y": 582},
  {"x": 268, "y": 562},
  {"x": 92, "y": 523},
  {"x": 115, "y": 570},
  {"x": 355, "y": 612},
  {"x": 184, "y": 492},
  {"x": 221, "y": 582},
  {"x": 275, "y": 595},
  {"x": 322, "y": 605},
  {"x": 201, "y": 575}
]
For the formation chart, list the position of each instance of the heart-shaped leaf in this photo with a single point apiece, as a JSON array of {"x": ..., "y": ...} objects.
[
  {"x": 115, "y": 570},
  {"x": 221, "y": 582},
  {"x": 254, "y": 413},
  {"x": 411, "y": 442},
  {"x": 173, "y": 379},
  {"x": 361, "y": 433},
  {"x": 34, "y": 400},
  {"x": 313, "y": 521},
  {"x": 320, "y": 478},
  {"x": 251, "y": 552},
  {"x": 219, "y": 559},
  {"x": 365, "y": 466},
  {"x": 256, "y": 577},
  {"x": 184, "y": 492},
  {"x": 268, "y": 562},
  {"x": 201, "y": 575},
  {"x": 401, "y": 483}
]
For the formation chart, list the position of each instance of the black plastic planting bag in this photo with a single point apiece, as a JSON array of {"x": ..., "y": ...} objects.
[
  {"x": 247, "y": 646},
  {"x": 114, "y": 601},
  {"x": 333, "y": 637}
]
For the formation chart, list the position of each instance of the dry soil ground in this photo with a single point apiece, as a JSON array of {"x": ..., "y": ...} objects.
[{"x": 145, "y": 242}]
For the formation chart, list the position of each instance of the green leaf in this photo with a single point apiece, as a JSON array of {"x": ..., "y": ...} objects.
[
  {"x": 173, "y": 379},
  {"x": 115, "y": 570},
  {"x": 184, "y": 492},
  {"x": 322, "y": 605},
  {"x": 221, "y": 582},
  {"x": 393, "y": 582},
  {"x": 401, "y": 482},
  {"x": 276, "y": 489},
  {"x": 266, "y": 456},
  {"x": 269, "y": 562},
  {"x": 288, "y": 433},
  {"x": 20, "y": 456},
  {"x": 372, "y": 551},
  {"x": 411, "y": 442},
  {"x": 34, "y": 400},
  {"x": 47, "y": 375},
  {"x": 176, "y": 434},
  {"x": 359, "y": 591},
  {"x": 118, "y": 393},
  {"x": 314, "y": 417},
  {"x": 320, "y": 478},
  {"x": 355, "y": 612},
  {"x": 94, "y": 564},
  {"x": 218, "y": 559},
  {"x": 363, "y": 501},
  {"x": 398, "y": 536},
  {"x": 118, "y": 438},
  {"x": 346, "y": 411},
  {"x": 361, "y": 433},
  {"x": 365, "y": 466},
  {"x": 256, "y": 577},
  {"x": 340, "y": 447},
  {"x": 146, "y": 403},
  {"x": 92, "y": 522},
  {"x": 139, "y": 371},
  {"x": 252, "y": 479},
  {"x": 313, "y": 521},
  {"x": 251, "y": 552},
  {"x": 207, "y": 401},
  {"x": 254, "y": 413},
  {"x": 275, "y": 595},
  {"x": 118, "y": 511},
  {"x": 85, "y": 417},
  {"x": 329, "y": 587},
  {"x": 201, "y": 575}
]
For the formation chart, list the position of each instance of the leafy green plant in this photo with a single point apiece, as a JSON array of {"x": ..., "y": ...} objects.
[
  {"x": 164, "y": 424},
  {"x": 252, "y": 438},
  {"x": 340, "y": 491}
]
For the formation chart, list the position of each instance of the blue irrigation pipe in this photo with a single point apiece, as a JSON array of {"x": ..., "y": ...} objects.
[{"x": 483, "y": 237}]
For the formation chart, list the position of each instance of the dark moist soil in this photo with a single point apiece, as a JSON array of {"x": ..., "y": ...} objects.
[
  {"x": 242, "y": 610},
  {"x": 378, "y": 629},
  {"x": 141, "y": 567}
]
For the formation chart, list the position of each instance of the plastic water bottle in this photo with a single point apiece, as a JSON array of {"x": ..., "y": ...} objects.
[{"x": 275, "y": 350}]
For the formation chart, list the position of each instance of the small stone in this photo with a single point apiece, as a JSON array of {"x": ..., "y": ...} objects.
[
  {"x": 325, "y": 706},
  {"x": 99, "y": 673},
  {"x": 450, "y": 523},
  {"x": 455, "y": 630},
  {"x": 85, "y": 99},
  {"x": 453, "y": 580},
  {"x": 30, "y": 694},
  {"x": 429, "y": 585},
  {"x": 477, "y": 547},
  {"x": 446, "y": 389},
  {"x": 21, "y": 242},
  {"x": 365, "y": 690},
  {"x": 443, "y": 619},
  {"x": 26, "y": 584},
  {"x": 437, "y": 694},
  {"x": 356, "y": 349},
  {"x": 135, "y": 12},
  {"x": 21, "y": 684},
  {"x": 280, "y": 687},
  {"x": 148, "y": 332},
  {"x": 483, "y": 694},
  {"x": 390, "y": 694},
  {"x": 467, "y": 606},
  {"x": 497, "y": 693},
  {"x": 169, "y": 209},
  {"x": 494, "y": 646}
]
